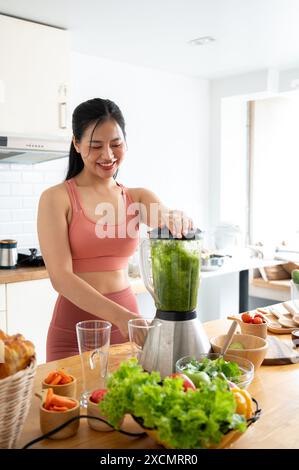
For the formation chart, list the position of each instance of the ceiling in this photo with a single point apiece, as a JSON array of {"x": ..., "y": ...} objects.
[{"x": 250, "y": 34}]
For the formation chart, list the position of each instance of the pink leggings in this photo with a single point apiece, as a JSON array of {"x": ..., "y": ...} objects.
[{"x": 62, "y": 339}]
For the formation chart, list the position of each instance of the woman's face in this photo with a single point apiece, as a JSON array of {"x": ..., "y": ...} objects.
[{"x": 103, "y": 150}]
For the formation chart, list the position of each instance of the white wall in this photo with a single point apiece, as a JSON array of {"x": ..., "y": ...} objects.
[
  {"x": 168, "y": 137},
  {"x": 242, "y": 87},
  {"x": 275, "y": 171},
  {"x": 229, "y": 98},
  {"x": 167, "y": 119}
]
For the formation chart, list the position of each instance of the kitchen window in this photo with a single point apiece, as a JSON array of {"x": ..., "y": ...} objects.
[{"x": 274, "y": 171}]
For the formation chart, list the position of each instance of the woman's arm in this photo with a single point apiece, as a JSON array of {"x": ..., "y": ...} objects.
[
  {"x": 55, "y": 248},
  {"x": 155, "y": 214}
]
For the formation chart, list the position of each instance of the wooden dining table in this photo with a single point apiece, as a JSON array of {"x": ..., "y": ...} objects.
[{"x": 275, "y": 387}]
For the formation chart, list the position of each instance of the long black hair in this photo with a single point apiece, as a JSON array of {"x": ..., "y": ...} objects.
[{"x": 94, "y": 111}]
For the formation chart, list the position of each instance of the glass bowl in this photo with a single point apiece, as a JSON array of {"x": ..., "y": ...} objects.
[{"x": 242, "y": 381}]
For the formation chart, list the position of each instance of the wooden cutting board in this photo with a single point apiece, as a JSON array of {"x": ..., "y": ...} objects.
[{"x": 280, "y": 352}]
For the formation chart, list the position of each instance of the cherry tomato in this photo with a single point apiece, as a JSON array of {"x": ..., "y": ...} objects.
[{"x": 98, "y": 395}]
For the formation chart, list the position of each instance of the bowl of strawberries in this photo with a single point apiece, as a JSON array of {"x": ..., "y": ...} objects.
[{"x": 253, "y": 323}]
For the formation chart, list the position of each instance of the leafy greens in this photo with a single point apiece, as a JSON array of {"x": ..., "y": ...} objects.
[
  {"x": 185, "y": 420},
  {"x": 213, "y": 367}
]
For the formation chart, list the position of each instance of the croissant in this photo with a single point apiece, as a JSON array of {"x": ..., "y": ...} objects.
[{"x": 18, "y": 353}]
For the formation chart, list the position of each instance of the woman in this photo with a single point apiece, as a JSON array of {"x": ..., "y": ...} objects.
[{"x": 87, "y": 257}]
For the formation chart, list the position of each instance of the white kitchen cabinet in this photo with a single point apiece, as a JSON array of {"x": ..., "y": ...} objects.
[
  {"x": 30, "y": 306},
  {"x": 2, "y": 297},
  {"x": 2, "y": 307},
  {"x": 34, "y": 78}
]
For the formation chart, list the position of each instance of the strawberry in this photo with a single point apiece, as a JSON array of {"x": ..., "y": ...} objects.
[
  {"x": 258, "y": 320},
  {"x": 258, "y": 315},
  {"x": 246, "y": 317}
]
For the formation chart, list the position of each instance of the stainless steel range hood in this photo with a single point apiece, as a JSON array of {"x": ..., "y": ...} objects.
[{"x": 27, "y": 150}]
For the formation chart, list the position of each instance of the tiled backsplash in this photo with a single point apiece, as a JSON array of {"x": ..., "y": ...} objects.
[{"x": 20, "y": 190}]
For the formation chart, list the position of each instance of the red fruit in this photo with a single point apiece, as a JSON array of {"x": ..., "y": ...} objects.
[
  {"x": 187, "y": 382},
  {"x": 246, "y": 318},
  {"x": 98, "y": 395},
  {"x": 257, "y": 320},
  {"x": 258, "y": 315}
]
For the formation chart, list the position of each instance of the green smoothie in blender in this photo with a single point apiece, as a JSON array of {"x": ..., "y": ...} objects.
[{"x": 175, "y": 270}]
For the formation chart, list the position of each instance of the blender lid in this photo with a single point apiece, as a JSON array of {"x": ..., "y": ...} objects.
[{"x": 162, "y": 233}]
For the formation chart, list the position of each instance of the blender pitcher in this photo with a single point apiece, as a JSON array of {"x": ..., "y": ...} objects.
[{"x": 170, "y": 269}]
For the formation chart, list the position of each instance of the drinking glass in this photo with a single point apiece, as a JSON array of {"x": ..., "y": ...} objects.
[
  {"x": 295, "y": 294},
  {"x": 93, "y": 341},
  {"x": 144, "y": 336}
]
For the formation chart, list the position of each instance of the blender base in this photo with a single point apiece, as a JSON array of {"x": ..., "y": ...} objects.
[{"x": 182, "y": 334}]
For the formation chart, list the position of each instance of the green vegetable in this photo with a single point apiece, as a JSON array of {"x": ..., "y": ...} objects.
[
  {"x": 185, "y": 420},
  {"x": 295, "y": 276},
  {"x": 213, "y": 368},
  {"x": 236, "y": 345},
  {"x": 175, "y": 267},
  {"x": 199, "y": 377}
]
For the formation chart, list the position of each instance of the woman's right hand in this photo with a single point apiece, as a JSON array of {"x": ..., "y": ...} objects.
[{"x": 122, "y": 322}]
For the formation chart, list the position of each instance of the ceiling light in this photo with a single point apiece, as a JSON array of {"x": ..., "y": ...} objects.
[{"x": 202, "y": 41}]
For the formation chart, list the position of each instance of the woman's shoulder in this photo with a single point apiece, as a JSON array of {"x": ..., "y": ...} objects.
[
  {"x": 134, "y": 193},
  {"x": 143, "y": 195},
  {"x": 138, "y": 194},
  {"x": 55, "y": 194}
]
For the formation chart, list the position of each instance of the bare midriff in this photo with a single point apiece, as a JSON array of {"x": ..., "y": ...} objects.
[{"x": 107, "y": 282}]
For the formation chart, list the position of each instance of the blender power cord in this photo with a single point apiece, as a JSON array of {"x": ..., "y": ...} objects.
[
  {"x": 58, "y": 428},
  {"x": 250, "y": 421}
]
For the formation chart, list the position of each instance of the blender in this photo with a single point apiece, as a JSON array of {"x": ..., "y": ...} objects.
[{"x": 170, "y": 269}]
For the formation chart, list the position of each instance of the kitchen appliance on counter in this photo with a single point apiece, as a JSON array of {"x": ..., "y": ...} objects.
[
  {"x": 212, "y": 261},
  {"x": 170, "y": 269},
  {"x": 227, "y": 236},
  {"x": 8, "y": 254},
  {"x": 31, "y": 258}
]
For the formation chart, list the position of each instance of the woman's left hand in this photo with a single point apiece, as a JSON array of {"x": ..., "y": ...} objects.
[{"x": 177, "y": 222}]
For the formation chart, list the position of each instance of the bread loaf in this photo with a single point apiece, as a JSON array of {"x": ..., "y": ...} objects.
[{"x": 18, "y": 353}]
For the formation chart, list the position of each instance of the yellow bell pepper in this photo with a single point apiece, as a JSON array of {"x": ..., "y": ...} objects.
[{"x": 243, "y": 402}]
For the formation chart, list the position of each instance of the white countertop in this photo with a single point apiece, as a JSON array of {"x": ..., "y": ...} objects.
[{"x": 237, "y": 264}]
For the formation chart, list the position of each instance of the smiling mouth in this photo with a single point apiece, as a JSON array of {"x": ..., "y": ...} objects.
[{"x": 107, "y": 166}]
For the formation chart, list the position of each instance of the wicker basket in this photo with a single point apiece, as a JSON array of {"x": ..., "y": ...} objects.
[{"x": 15, "y": 400}]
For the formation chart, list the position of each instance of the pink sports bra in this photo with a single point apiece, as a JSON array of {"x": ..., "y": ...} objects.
[{"x": 92, "y": 253}]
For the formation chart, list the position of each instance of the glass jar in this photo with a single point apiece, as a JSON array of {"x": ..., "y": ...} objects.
[{"x": 295, "y": 293}]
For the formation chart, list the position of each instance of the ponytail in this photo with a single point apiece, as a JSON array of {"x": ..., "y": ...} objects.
[{"x": 76, "y": 164}]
